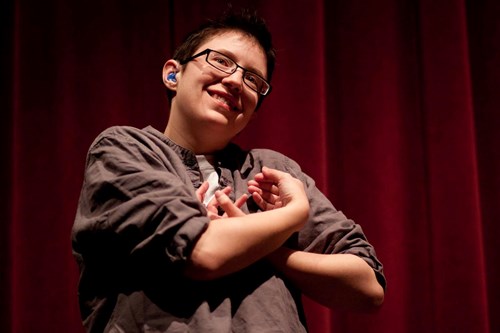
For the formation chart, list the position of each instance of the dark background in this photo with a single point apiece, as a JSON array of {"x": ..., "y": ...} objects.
[{"x": 392, "y": 106}]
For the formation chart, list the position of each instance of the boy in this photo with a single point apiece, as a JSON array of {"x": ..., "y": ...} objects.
[{"x": 184, "y": 231}]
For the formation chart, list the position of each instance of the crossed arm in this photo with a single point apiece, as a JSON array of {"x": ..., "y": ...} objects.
[{"x": 236, "y": 240}]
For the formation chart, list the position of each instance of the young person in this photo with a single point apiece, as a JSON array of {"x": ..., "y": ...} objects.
[{"x": 183, "y": 231}]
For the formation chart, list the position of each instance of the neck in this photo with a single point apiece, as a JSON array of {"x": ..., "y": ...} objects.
[{"x": 201, "y": 142}]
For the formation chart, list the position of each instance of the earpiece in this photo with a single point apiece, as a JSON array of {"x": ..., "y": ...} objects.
[{"x": 171, "y": 77}]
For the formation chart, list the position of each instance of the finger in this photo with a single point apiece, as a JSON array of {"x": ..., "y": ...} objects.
[
  {"x": 227, "y": 190},
  {"x": 213, "y": 202},
  {"x": 257, "y": 198},
  {"x": 200, "y": 192},
  {"x": 212, "y": 209},
  {"x": 273, "y": 174},
  {"x": 253, "y": 182},
  {"x": 290, "y": 188},
  {"x": 270, "y": 198},
  {"x": 266, "y": 171},
  {"x": 238, "y": 203},
  {"x": 255, "y": 186},
  {"x": 227, "y": 205},
  {"x": 278, "y": 204},
  {"x": 213, "y": 216},
  {"x": 241, "y": 200},
  {"x": 259, "y": 176},
  {"x": 262, "y": 203},
  {"x": 254, "y": 189},
  {"x": 269, "y": 187},
  {"x": 265, "y": 195}
]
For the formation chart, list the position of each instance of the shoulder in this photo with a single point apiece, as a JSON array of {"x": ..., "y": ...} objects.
[
  {"x": 276, "y": 160},
  {"x": 121, "y": 133},
  {"x": 127, "y": 136},
  {"x": 129, "y": 142},
  {"x": 234, "y": 157}
]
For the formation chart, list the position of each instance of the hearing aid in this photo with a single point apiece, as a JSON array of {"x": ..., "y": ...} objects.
[{"x": 171, "y": 77}]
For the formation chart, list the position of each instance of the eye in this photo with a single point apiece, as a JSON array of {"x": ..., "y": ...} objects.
[
  {"x": 222, "y": 61},
  {"x": 253, "y": 80}
]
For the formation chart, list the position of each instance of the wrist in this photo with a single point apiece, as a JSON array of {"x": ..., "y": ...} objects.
[{"x": 298, "y": 213}]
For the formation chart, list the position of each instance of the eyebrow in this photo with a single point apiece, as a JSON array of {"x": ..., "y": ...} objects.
[{"x": 232, "y": 56}]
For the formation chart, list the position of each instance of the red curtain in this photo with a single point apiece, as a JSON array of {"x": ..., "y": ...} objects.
[{"x": 392, "y": 106}]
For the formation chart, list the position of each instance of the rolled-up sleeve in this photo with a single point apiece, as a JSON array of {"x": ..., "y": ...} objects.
[
  {"x": 328, "y": 230},
  {"x": 136, "y": 200}
]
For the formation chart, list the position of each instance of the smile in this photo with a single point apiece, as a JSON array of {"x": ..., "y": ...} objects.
[{"x": 224, "y": 100}]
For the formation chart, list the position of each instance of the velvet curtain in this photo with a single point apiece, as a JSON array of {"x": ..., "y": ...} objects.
[{"x": 392, "y": 106}]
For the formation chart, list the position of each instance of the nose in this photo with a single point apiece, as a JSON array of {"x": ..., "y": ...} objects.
[{"x": 235, "y": 80}]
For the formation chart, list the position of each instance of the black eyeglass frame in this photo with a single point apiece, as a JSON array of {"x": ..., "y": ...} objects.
[{"x": 208, "y": 51}]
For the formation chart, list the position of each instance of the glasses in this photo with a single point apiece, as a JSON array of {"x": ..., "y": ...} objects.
[{"x": 227, "y": 65}]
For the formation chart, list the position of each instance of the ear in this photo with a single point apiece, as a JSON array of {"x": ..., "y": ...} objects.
[{"x": 171, "y": 66}]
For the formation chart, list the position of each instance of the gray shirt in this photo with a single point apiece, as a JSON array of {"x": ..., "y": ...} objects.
[{"x": 137, "y": 221}]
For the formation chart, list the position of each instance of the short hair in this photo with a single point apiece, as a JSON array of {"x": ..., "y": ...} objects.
[{"x": 247, "y": 22}]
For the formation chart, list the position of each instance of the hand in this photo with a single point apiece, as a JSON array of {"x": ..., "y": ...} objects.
[
  {"x": 201, "y": 191},
  {"x": 222, "y": 200},
  {"x": 236, "y": 240},
  {"x": 265, "y": 194},
  {"x": 231, "y": 209},
  {"x": 273, "y": 189}
]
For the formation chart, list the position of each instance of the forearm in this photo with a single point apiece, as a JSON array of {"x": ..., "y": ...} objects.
[
  {"x": 341, "y": 281},
  {"x": 230, "y": 244}
]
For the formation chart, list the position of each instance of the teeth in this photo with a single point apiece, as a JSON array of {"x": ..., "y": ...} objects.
[{"x": 222, "y": 99}]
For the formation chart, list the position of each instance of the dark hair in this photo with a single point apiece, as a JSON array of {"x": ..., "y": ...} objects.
[{"x": 245, "y": 21}]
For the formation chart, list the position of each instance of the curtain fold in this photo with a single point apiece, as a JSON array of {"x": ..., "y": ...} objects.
[
  {"x": 452, "y": 169},
  {"x": 391, "y": 106}
]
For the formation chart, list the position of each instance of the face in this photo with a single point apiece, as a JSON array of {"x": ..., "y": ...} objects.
[{"x": 208, "y": 99}]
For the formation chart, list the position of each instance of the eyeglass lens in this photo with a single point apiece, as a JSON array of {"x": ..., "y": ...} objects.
[{"x": 229, "y": 66}]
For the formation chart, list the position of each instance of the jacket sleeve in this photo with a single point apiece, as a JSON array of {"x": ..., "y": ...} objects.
[
  {"x": 135, "y": 201},
  {"x": 328, "y": 230}
]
